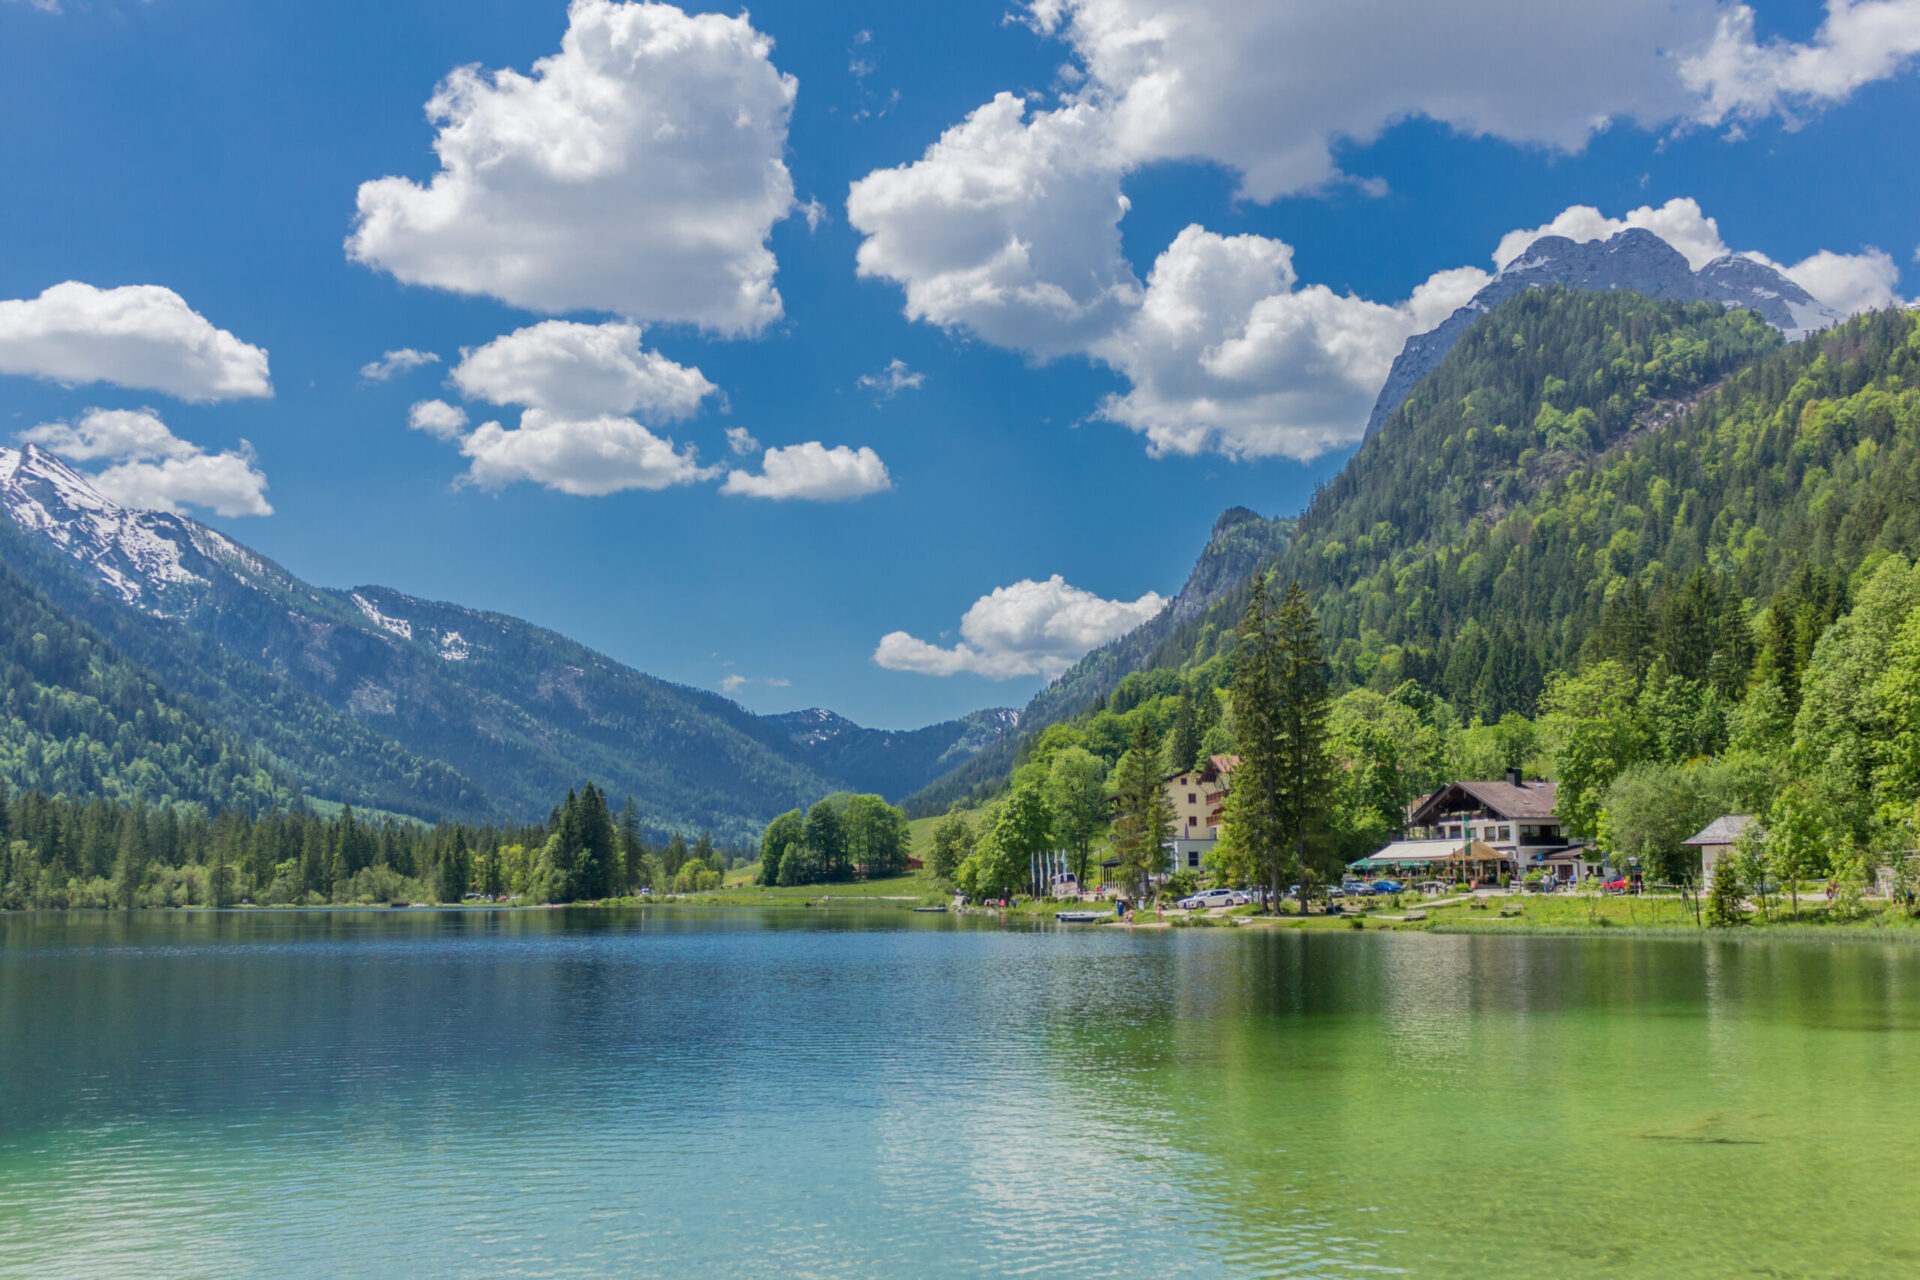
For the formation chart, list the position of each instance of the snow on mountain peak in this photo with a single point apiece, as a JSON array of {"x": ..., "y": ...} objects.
[
  {"x": 394, "y": 626},
  {"x": 139, "y": 555}
]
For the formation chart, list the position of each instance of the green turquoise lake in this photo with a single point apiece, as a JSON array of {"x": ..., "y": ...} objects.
[{"x": 874, "y": 1093}]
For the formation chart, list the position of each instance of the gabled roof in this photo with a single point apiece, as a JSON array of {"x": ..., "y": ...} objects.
[
  {"x": 1215, "y": 767},
  {"x": 1529, "y": 801},
  {"x": 1723, "y": 830}
]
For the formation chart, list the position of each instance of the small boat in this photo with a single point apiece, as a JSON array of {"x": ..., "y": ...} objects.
[
  {"x": 942, "y": 908},
  {"x": 1081, "y": 917}
]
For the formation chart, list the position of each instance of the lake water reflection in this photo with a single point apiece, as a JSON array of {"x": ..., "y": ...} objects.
[{"x": 882, "y": 1094}]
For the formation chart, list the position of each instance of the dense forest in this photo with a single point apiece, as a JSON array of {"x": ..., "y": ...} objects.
[
  {"x": 79, "y": 719},
  {"x": 321, "y": 748},
  {"x": 1640, "y": 547},
  {"x": 58, "y": 852}
]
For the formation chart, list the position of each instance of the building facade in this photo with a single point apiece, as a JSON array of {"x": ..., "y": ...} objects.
[
  {"x": 1514, "y": 817},
  {"x": 1198, "y": 798}
]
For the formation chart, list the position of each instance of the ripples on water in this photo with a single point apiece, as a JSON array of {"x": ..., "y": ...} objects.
[{"x": 575, "y": 1094}]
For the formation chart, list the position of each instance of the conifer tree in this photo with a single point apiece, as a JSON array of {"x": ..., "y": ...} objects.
[
  {"x": 1256, "y": 820},
  {"x": 633, "y": 849},
  {"x": 1726, "y": 905},
  {"x": 1306, "y": 764},
  {"x": 1144, "y": 817},
  {"x": 674, "y": 856},
  {"x": 1183, "y": 739}
]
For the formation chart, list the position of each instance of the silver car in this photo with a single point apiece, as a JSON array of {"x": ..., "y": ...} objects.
[{"x": 1210, "y": 898}]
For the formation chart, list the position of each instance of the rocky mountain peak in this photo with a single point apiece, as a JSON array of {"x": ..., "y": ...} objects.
[
  {"x": 1635, "y": 259},
  {"x": 148, "y": 559}
]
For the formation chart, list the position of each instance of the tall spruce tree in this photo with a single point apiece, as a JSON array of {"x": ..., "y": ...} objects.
[
  {"x": 1183, "y": 739},
  {"x": 633, "y": 849},
  {"x": 1282, "y": 791},
  {"x": 1143, "y": 817},
  {"x": 674, "y": 856},
  {"x": 599, "y": 852},
  {"x": 1307, "y": 768},
  {"x": 1256, "y": 818}
]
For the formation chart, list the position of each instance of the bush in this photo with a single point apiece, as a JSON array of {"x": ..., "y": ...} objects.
[{"x": 1181, "y": 884}]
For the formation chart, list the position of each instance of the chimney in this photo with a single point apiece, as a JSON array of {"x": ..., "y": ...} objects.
[{"x": 1513, "y": 778}]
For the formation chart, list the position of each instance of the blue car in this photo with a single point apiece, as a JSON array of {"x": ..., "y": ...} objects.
[{"x": 1388, "y": 886}]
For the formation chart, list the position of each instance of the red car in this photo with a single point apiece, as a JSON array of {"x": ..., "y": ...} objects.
[{"x": 1616, "y": 886}]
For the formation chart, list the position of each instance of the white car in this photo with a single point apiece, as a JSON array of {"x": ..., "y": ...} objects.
[{"x": 1211, "y": 898}]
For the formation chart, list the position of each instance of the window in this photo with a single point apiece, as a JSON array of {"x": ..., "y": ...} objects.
[
  {"x": 1193, "y": 857},
  {"x": 1191, "y": 798}
]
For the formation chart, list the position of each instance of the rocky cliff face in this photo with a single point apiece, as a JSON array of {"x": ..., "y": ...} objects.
[{"x": 1635, "y": 259}]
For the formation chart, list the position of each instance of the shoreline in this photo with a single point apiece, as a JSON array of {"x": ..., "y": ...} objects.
[{"x": 1873, "y": 929}]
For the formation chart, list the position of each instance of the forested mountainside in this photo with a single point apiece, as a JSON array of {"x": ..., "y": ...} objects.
[
  {"x": 385, "y": 701},
  {"x": 1592, "y": 476},
  {"x": 81, "y": 719},
  {"x": 415, "y": 707}
]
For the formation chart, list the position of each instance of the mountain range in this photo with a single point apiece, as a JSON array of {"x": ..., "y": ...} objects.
[
  {"x": 271, "y": 687},
  {"x": 1575, "y": 454},
  {"x": 1636, "y": 260},
  {"x": 383, "y": 700}
]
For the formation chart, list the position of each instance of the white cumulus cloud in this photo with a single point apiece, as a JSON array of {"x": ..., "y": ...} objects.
[
  {"x": 588, "y": 457},
  {"x": 438, "y": 419},
  {"x": 393, "y": 363},
  {"x": 1847, "y": 282},
  {"x": 1027, "y": 629},
  {"x": 153, "y": 469},
  {"x": 581, "y": 370},
  {"x": 1008, "y": 226},
  {"x": 140, "y": 336},
  {"x": 638, "y": 171},
  {"x": 126, "y": 434},
  {"x": 1739, "y": 77},
  {"x": 813, "y": 472},
  {"x": 576, "y": 385},
  {"x": 740, "y": 442},
  {"x": 1269, "y": 90}
]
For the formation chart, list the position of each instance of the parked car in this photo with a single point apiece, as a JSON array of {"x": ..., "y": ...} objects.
[
  {"x": 1616, "y": 886},
  {"x": 1336, "y": 891},
  {"x": 1388, "y": 886},
  {"x": 1210, "y": 898}
]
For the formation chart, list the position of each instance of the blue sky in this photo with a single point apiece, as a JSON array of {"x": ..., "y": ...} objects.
[{"x": 1064, "y": 411}]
